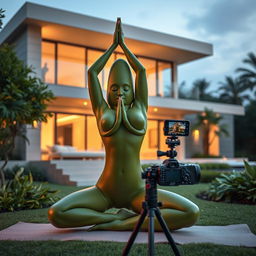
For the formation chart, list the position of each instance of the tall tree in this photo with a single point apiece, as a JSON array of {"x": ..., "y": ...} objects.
[
  {"x": 248, "y": 75},
  {"x": 232, "y": 91},
  {"x": 23, "y": 100},
  {"x": 207, "y": 120},
  {"x": 200, "y": 89}
]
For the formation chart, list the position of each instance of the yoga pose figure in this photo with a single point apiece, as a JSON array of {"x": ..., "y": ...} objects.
[{"x": 122, "y": 122}]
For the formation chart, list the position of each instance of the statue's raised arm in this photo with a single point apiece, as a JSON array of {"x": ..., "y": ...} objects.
[
  {"x": 97, "y": 99},
  {"x": 141, "y": 88}
]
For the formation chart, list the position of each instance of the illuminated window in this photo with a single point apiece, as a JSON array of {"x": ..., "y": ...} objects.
[
  {"x": 150, "y": 143},
  {"x": 94, "y": 141},
  {"x": 164, "y": 79},
  {"x": 214, "y": 147},
  {"x": 48, "y": 62},
  {"x": 94, "y": 55},
  {"x": 71, "y": 130},
  {"x": 71, "y": 65},
  {"x": 47, "y": 136},
  {"x": 150, "y": 66}
]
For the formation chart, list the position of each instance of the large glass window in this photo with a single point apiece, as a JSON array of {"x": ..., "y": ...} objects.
[
  {"x": 150, "y": 66},
  {"x": 94, "y": 141},
  {"x": 71, "y": 130},
  {"x": 92, "y": 56},
  {"x": 164, "y": 79},
  {"x": 48, "y": 62},
  {"x": 47, "y": 136},
  {"x": 71, "y": 68},
  {"x": 150, "y": 143},
  {"x": 71, "y": 65}
]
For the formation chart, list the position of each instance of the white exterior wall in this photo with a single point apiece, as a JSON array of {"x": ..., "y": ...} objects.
[
  {"x": 28, "y": 49},
  {"x": 227, "y": 142},
  {"x": 33, "y": 35}
]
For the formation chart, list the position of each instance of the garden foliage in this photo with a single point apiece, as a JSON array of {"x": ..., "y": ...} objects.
[
  {"x": 22, "y": 193},
  {"x": 235, "y": 187}
]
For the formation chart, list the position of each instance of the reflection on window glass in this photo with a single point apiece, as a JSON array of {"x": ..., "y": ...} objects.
[
  {"x": 71, "y": 130},
  {"x": 92, "y": 56},
  {"x": 94, "y": 142},
  {"x": 48, "y": 62},
  {"x": 47, "y": 136},
  {"x": 71, "y": 65},
  {"x": 150, "y": 143},
  {"x": 150, "y": 66},
  {"x": 164, "y": 79}
]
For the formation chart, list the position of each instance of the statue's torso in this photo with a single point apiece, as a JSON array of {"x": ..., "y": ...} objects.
[{"x": 121, "y": 177}]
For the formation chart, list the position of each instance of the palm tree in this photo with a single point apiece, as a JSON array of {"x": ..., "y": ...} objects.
[
  {"x": 1, "y": 17},
  {"x": 199, "y": 89},
  {"x": 232, "y": 91},
  {"x": 248, "y": 75},
  {"x": 207, "y": 120}
]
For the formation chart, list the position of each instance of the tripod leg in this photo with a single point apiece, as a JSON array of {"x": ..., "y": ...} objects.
[
  {"x": 134, "y": 233},
  {"x": 151, "y": 228},
  {"x": 167, "y": 232}
]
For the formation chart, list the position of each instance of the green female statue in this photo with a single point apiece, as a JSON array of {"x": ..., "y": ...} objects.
[{"x": 122, "y": 122}]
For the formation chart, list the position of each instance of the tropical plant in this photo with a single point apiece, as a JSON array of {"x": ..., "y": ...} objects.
[
  {"x": 235, "y": 187},
  {"x": 232, "y": 91},
  {"x": 37, "y": 173},
  {"x": 21, "y": 193},
  {"x": 199, "y": 89},
  {"x": 23, "y": 100},
  {"x": 207, "y": 121},
  {"x": 1, "y": 17},
  {"x": 248, "y": 75}
]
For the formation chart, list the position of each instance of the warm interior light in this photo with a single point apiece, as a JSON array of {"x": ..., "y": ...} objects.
[
  {"x": 196, "y": 135},
  {"x": 35, "y": 124},
  {"x": 85, "y": 103},
  {"x": 155, "y": 109},
  {"x": 66, "y": 118}
]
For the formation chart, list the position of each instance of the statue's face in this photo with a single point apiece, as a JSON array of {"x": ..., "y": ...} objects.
[{"x": 120, "y": 84}]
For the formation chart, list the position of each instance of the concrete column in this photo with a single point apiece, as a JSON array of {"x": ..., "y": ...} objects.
[
  {"x": 33, "y": 58},
  {"x": 175, "y": 89}
]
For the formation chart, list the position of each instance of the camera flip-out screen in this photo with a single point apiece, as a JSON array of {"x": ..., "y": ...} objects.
[{"x": 176, "y": 128}]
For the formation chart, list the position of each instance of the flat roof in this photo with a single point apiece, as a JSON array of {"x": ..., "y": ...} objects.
[{"x": 61, "y": 25}]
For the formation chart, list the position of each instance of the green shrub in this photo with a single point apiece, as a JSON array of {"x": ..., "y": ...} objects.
[
  {"x": 208, "y": 175},
  {"x": 37, "y": 173},
  {"x": 214, "y": 166},
  {"x": 234, "y": 187},
  {"x": 21, "y": 193}
]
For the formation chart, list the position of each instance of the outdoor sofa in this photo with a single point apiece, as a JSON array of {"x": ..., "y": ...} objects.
[{"x": 69, "y": 152}]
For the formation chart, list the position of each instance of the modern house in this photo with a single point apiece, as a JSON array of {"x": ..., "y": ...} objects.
[{"x": 62, "y": 45}]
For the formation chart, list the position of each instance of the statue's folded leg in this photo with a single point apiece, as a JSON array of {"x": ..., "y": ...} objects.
[
  {"x": 81, "y": 208},
  {"x": 177, "y": 211}
]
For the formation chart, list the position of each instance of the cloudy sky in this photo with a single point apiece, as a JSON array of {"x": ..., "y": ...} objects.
[{"x": 230, "y": 25}]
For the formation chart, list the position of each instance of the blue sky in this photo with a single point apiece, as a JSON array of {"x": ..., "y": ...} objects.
[{"x": 228, "y": 25}]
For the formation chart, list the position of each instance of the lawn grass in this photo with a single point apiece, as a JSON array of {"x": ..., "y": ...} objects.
[{"x": 212, "y": 213}]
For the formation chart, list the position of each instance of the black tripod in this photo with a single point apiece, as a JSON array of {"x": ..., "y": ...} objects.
[{"x": 150, "y": 208}]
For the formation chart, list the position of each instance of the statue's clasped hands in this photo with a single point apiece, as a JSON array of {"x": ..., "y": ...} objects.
[{"x": 118, "y": 35}]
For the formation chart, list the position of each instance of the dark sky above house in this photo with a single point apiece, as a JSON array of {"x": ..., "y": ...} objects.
[{"x": 230, "y": 25}]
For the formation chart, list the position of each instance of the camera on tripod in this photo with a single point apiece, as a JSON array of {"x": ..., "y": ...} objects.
[{"x": 171, "y": 172}]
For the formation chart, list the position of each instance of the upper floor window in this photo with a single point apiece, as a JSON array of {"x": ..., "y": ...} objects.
[
  {"x": 92, "y": 56},
  {"x": 71, "y": 65},
  {"x": 48, "y": 62},
  {"x": 66, "y": 64}
]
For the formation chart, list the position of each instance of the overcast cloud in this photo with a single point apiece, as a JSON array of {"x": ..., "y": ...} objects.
[{"x": 227, "y": 24}]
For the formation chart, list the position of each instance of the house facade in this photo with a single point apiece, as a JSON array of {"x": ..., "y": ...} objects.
[{"x": 62, "y": 45}]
